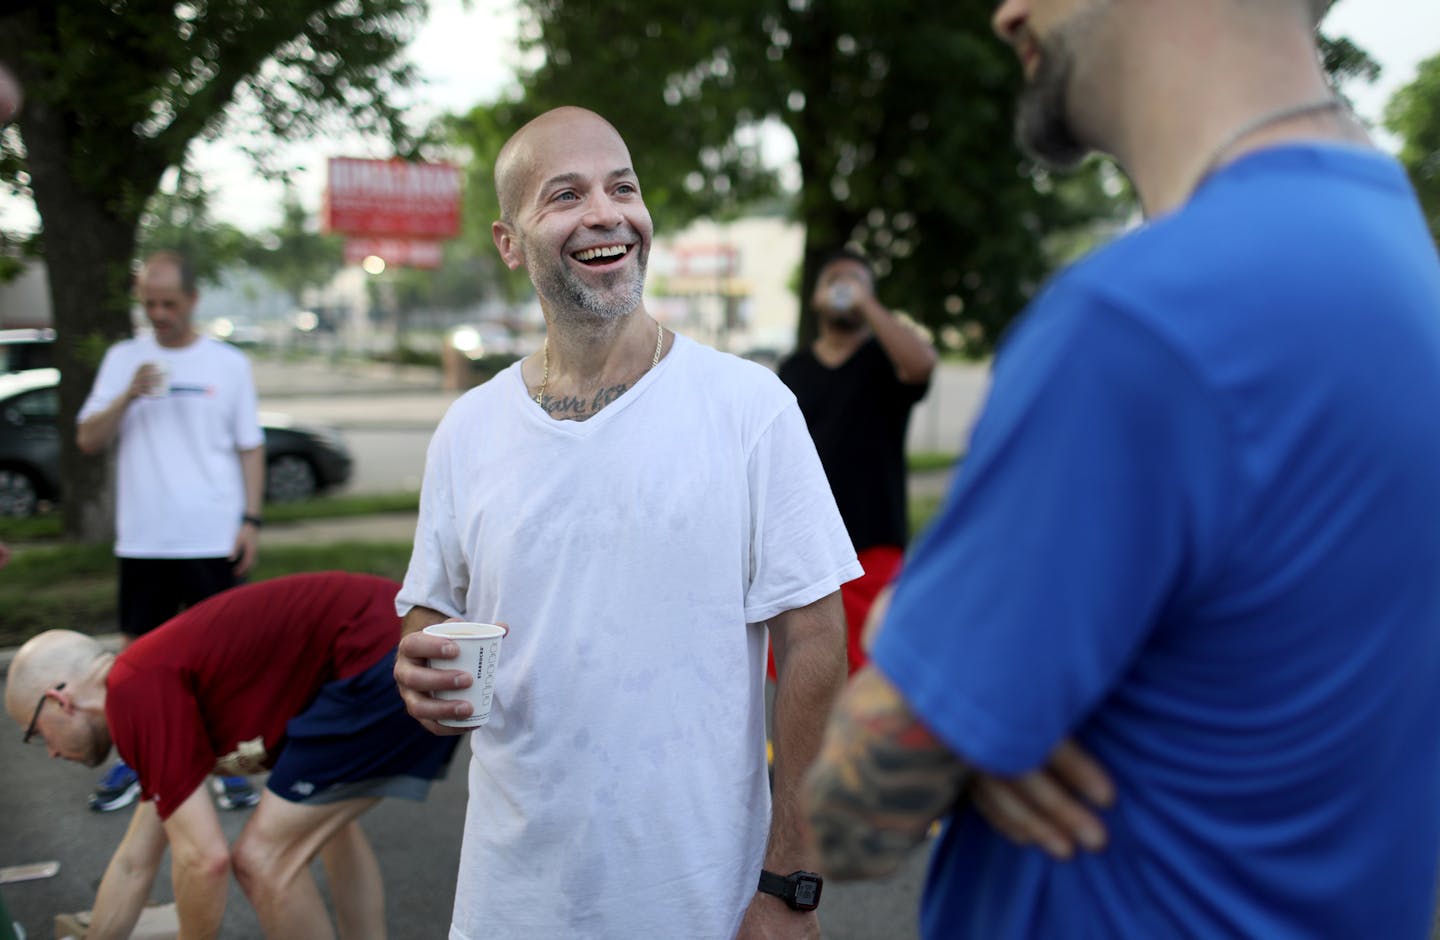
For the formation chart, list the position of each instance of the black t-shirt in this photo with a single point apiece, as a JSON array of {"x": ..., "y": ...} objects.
[{"x": 857, "y": 414}]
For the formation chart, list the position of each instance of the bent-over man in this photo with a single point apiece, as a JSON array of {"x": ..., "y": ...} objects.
[{"x": 292, "y": 675}]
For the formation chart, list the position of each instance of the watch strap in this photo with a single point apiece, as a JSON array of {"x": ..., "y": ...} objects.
[
  {"x": 778, "y": 885},
  {"x": 800, "y": 890}
]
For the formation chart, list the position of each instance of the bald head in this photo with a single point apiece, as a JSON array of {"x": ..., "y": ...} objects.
[
  {"x": 516, "y": 162},
  {"x": 173, "y": 266},
  {"x": 45, "y": 661}
]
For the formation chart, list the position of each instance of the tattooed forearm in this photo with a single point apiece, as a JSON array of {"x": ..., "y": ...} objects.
[{"x": 882, "y": 778}]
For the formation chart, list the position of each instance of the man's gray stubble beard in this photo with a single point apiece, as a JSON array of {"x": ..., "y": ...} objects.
[{"x": 574, "y": 299}]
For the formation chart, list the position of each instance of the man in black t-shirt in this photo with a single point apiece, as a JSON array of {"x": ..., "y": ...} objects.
[{"x": 856, "y": 386}]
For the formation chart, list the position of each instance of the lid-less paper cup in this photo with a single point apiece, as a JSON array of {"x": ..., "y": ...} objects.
[
  {"x": 479, "y": 645},
  {"x": 160, "y": 387}
]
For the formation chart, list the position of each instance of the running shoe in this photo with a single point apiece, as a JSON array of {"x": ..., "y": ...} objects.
[
  {"x": 234, "y": 793},
  {"x": 116, "y": 790}
]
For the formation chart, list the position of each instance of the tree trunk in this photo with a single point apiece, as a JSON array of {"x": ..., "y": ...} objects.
[
  {"x": 89, "y": 242},
  {"x": 828, "y": 223}
]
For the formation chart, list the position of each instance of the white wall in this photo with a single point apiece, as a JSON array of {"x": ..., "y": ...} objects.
[
  {"x": 768, "y": 252},
  {"x": 25, "y": 301}
]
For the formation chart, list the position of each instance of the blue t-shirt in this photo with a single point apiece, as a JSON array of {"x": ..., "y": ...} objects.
[{"x": 1198, "y": 529}]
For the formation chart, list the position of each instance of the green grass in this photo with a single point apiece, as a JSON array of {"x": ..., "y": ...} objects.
[
  {"x": 73, "y": 586},
  {"x": 929, "y": 461},
  {"x": 922, "y": 512},
  {"x": 45, "y": 526},
  {"x": 336, "y": 507}
]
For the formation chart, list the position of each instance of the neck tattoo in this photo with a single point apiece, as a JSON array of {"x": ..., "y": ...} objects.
[
  {"x": 545, "y": 353},
  {"x": 1212, "y": 163}
]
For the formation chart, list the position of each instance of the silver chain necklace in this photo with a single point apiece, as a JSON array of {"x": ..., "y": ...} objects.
[{"x": 1328, "y": 103}]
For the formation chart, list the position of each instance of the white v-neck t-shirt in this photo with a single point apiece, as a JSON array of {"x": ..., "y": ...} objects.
[{"x": 620, "y": 788}]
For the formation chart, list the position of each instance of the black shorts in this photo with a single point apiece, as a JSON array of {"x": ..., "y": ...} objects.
[{"x": 152, "y": 590}]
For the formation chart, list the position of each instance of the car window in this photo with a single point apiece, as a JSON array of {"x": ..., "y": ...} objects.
[
  {"x": 38, "y": 407},
  {"x": 16, "y": 355}
]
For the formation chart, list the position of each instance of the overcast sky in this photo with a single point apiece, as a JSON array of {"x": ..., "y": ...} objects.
[{"x": 468, "y": 55}]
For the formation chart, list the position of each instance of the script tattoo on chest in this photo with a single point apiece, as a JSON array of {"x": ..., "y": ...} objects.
[{"x": 575, "y": 408}]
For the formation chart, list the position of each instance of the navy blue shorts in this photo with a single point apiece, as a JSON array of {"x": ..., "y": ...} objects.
[{"x": 356, "y": 740}]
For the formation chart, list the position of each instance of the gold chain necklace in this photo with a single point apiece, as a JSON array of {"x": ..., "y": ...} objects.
[{"x": 545, "y": 353}]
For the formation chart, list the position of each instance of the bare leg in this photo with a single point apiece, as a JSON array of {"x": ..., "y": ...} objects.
[
  {"x": 272, "y": 863},
  {"x": 355, "y": 884}
]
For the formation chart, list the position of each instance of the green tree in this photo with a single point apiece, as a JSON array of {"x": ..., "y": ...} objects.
[
  {"x": 481, "y": 133},
  {"x": 115, "y": 93},
  {"x": 901, "y": 115},
  {"x": 295, "y": 255},
  {"x": 179, "y": 219},
  {"x": 1413, "y": 114},
  {"x": 1346, "y": 62}
]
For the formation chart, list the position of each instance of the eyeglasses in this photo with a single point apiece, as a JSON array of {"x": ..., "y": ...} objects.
[{"x": 30, "y": 731}]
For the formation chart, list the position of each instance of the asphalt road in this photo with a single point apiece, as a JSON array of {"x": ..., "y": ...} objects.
[
  {"x": 43, "y": 817},
  {"x": 387, "y": 415}
]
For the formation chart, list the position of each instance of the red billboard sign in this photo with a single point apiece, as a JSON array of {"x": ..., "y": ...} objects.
[
  {"x": 392, "y": 198},
  {"x": 396, "y": 252}
]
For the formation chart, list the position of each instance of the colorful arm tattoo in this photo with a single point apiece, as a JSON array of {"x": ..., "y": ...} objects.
[{"x": 881, "y": 779}]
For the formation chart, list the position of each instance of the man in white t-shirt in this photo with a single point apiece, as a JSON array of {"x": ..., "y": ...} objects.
[
  {"x": 638, "y": 508},
  {"x": 180, "y": 410}
]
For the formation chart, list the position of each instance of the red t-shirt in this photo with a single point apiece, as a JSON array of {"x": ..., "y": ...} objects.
[{"x": 211, "y": 690}]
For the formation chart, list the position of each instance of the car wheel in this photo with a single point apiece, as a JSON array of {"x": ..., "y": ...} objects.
[
  {"x": 289, "y": 478},
  {"x": 18, "y": 496}
]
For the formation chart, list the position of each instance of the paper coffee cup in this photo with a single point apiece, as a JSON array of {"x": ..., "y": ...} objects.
[
  {"x": 479, "y": 650},
  {"x": 160, "y": 388}
]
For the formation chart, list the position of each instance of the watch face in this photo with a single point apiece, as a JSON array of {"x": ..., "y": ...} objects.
[{"x": 807, "y": 893}]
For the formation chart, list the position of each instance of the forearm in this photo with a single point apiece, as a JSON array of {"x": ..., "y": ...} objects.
[
  {"x": 128, "y": 878},
  {"x": 118, "y": 903},
  {"x": 810, "y": 672},
  {"x": 252, "y": 469},
  {"x": 418, "y": 618},
  {"x": 912, "y": 356},
  {"x": 97, "y": 432},
  {"x": 881, "y": 780}
]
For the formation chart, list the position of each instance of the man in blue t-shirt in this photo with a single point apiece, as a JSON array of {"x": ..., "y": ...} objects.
[{"x": 1197, "y": 531}]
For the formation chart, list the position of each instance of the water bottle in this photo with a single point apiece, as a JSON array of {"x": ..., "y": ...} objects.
[{"x": 842, "y": 296}]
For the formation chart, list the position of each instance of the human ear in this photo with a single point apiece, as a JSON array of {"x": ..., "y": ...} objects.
[{"x": 508, "y": 244}]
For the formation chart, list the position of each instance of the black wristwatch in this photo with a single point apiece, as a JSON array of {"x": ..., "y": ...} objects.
[
  {"x": 256, "y": 521},
  {"x": 799, "y": 889}
]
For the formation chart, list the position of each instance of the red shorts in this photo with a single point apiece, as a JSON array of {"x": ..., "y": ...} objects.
[{"x": 882, "y": 565}]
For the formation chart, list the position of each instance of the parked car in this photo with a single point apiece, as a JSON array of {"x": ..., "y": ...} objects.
[
  {"x": 26, "y": 349},
  {"x": 300, "y": 460}
]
